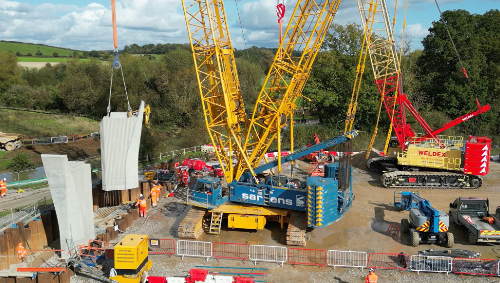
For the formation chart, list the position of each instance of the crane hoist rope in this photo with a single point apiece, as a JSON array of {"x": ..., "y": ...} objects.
[
  {"x": 116, "y": 62},
  {"x": 453, "y": 44}
]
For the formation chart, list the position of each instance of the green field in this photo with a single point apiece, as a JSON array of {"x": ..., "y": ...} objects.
[
  {"x": 44, "y": 59},
  {"x": 24, "y": 48},
  {"x": 44, "y": 125}
]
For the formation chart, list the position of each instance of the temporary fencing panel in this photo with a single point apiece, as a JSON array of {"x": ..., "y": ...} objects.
[
  {"x": 347, "y": 259},
  {"x": 59, "y": 139},
  {"x": 194, "y": 249},
  {"x": 230, "y": 251},
  {"x": 430, "y": 263},
  {"x": 387, "y": 261},
  {"x": 268, "y": 253},
  {"x": 161, "y": 247},
  {"x": 307, "y": 257},
  {"x": 475, "y": 266}
]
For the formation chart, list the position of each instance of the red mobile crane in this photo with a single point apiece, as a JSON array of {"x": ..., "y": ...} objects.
[{"x": 442, "y": 156}]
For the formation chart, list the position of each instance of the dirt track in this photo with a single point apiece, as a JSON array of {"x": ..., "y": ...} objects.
[{"x": 75, "y": 150}]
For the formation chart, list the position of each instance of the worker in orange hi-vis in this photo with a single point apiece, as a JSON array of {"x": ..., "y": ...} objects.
[
  {"x": 143, "y": 206},
  {"x": 153, "y": 196},
  {"x": 158, "y": 190},
  {"x": 3, "y": 187},
  {"x": 371, "y": 277},
  {"x": 21, "y": 251}
]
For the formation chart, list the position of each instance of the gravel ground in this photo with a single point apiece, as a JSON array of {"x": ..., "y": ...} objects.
[{"x": 364, "y": 228}]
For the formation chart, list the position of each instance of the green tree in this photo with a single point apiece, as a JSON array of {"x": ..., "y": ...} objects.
[
  {"x": 39, "y": 52},
  {"x": 29, "y": 54},
  {"x": 55, "y": 54},
  {"x": 10, "y": 71},
  {"x": 20, "y": 162},
  {"x": 75, "y": 54},
  {"x": 94, "y": 54},
  {"x": 18, "y": 54},
  {"x": 440, "y": 71},
  {"x": 332, "y": 78}
]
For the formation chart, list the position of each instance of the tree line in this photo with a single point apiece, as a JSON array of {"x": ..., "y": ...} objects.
[{"x": 433, "y": 81}]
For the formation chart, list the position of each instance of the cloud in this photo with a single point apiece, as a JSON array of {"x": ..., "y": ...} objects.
[
  {"x": 89, "y": 27},
  {"x": 146, "y": 21},
  {"x": 417, "y": 31}
]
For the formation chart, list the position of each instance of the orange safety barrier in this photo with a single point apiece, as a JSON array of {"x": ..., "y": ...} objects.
[
  {"x": 387, "y": 261},
  {"x": 474, "y": 266},
  {"x": 230, "y": 251},
  {"x": 307, "y": 257},
  {"x": 161, "y": 247}
]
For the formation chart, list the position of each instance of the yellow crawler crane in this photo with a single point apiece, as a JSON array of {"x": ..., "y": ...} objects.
[{"x": 235, "y": 137}]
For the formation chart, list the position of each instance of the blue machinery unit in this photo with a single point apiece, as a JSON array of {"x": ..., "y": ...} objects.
[
  {"x": 425, "y": 224},
  {"x": 324, "y": 200}
]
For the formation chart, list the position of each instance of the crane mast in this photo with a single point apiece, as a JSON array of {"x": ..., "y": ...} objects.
[
  {"x": 287, "y": 76},
  {"x": 218, "y": 83}
]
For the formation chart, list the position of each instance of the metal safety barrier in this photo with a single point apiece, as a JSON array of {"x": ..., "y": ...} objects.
[
  {"x": 268, "y": 253},
  {"x": 194, "y": 249},
  {"x": 424, "y": 263},
  {"x": 307, "y": 257},
  {"x": 347, "y": 259},
  {"x": 475, "y": 266},
  {"x": 230, "y": 251},
  {"x": 387, "y": 261},
  {"x": 161, "y": 247}
]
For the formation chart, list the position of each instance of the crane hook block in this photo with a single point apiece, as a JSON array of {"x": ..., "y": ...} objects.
[
  {"x": 280, "y": 11},
  {"x": 116, "y": 61}
]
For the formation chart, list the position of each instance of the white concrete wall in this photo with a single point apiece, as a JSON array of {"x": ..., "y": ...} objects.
[
  {"x": 70, "y": 185},
  {"x": 120, "y": 140}
]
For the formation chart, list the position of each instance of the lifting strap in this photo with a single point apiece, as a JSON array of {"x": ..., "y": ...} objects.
[{"x": 116, "y": 62}]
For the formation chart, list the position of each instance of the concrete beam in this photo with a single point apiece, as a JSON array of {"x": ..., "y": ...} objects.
[
  {"x": 70, "y": 185},
  {"x": 120, "y": 140}
]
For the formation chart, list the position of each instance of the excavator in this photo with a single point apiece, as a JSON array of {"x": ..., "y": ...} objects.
[
  {"x": 245, "y": 197},
  {"x": 411, "y": 161}
]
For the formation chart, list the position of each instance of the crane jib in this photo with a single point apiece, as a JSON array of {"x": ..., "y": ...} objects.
[{"x": 322, "y": 145}]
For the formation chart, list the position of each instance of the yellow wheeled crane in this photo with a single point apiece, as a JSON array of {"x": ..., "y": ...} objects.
[
  {"x": 439, "y": 156},
  {"x": 246, "y": 140}
]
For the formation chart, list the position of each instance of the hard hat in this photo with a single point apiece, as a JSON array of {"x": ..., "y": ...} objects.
[
  {"x": 371, "y": 270},
  {"x": 141, "y": 195},
  {"x": 5, "y": 179},
  {"x": 155, "y": 181}
]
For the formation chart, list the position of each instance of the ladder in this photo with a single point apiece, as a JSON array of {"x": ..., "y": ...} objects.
[{"x": 215, "y": 222}]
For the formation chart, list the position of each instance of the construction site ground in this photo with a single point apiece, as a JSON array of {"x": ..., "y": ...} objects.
[{"x": 363, "y": 228}]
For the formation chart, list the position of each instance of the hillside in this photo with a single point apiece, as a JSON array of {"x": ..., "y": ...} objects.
[
  {"x": 25, "y": 48},
  {"x": 32, "y": 124}
]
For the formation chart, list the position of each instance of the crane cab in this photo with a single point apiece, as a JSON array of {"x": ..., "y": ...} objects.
[{"x": 207, "y": 192}]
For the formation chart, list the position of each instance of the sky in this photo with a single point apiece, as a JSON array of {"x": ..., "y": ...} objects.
[{"x": 86, "y": 24}]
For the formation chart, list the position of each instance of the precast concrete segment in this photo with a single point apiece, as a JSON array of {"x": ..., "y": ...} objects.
[
  {"x": 82, "y": 178},
  {"x": 120, "y": 140},
  {"x": 70, "y": 185}
]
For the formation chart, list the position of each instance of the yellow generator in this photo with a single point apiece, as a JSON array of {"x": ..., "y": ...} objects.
[{"x": 131, "y": 259}]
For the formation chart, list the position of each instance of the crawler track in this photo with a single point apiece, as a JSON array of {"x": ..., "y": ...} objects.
[
  {"x": 191, "y": 225},
  {"x": 296, "y": 232},
  {"x": 430, "y": 180}
]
